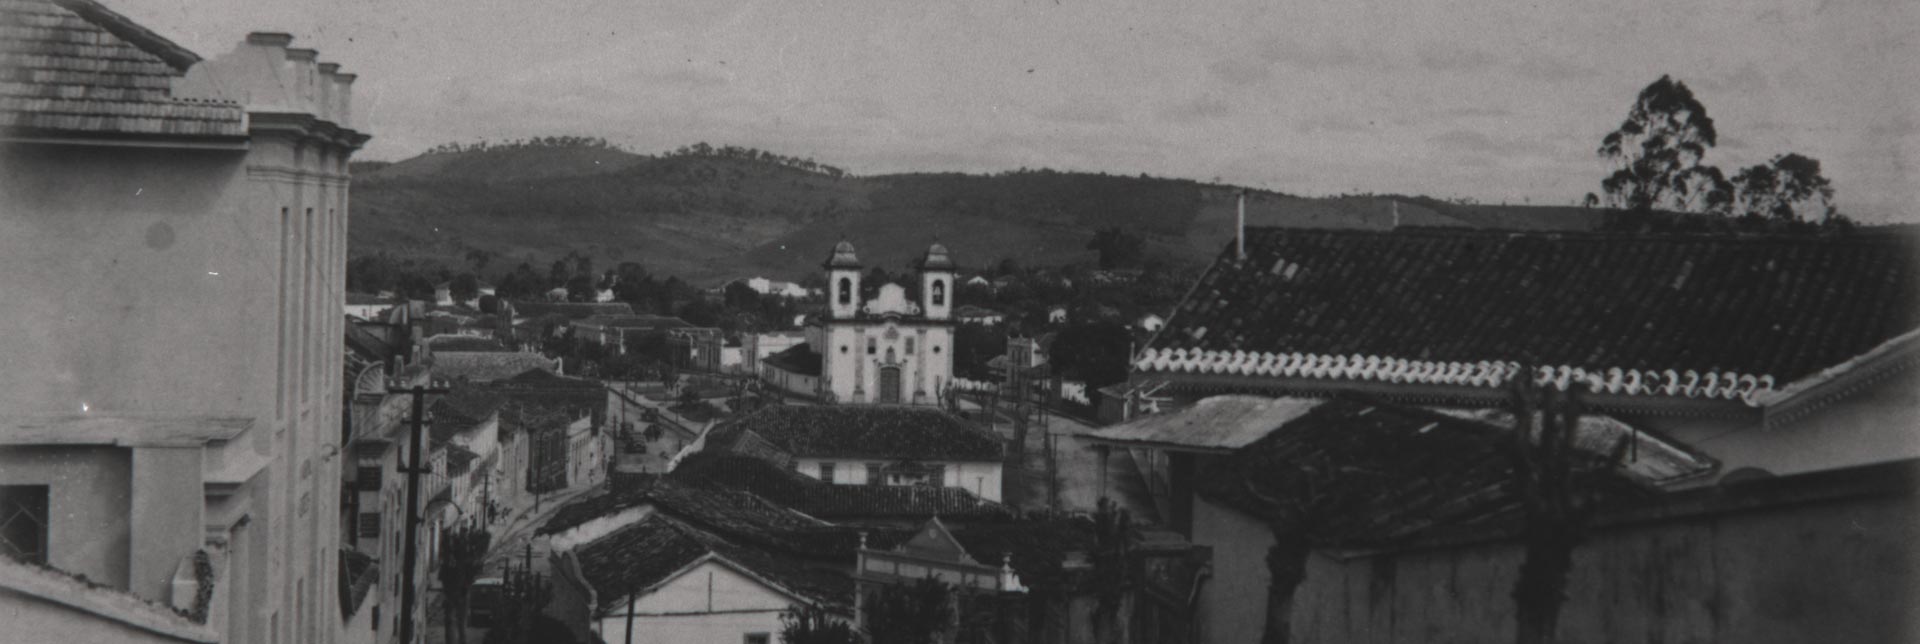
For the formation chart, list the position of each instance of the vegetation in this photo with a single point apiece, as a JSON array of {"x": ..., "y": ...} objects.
[
  {"x": 813, "y": 625},
  {"x": 1658, "y": 156},
  {"x": 463, "y": 553},
  {"x": 917, "y": 614},
  {"x": 1557, "y": 486}
]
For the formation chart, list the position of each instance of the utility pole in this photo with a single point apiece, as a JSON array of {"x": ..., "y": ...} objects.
[{"x": 412, "y": 547}]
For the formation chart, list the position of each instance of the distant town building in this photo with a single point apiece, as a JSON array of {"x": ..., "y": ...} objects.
[
  {"x": 774, "y": 288},
  {"x": 980, "y": 315},
  {"x": 1149, "y": 323},
  {"x": 369, "y": 307},
  {"x": 864, "y": 445},
  {"x": 172, "y": 402},
  {"x": 887, "y": 350}
]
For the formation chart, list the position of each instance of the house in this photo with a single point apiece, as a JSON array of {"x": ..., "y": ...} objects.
[
  {"x": 888, "y": 350},
  {"x": 369, "y": 307},
  {"x": 467, "y": 422},
  {"x": 443, "y": 293},
  {"x": 977, "y": 281},
  {"x": 488, "y": 365},
  {"x": 1149, "y": 323},
  {"x": 933, "y": 553},
  {"x": 578, "y": 450},
  {"x": 970, "y": 314},
  {"x": 374, "y": 496},
  {"x": 175, "y": 459},
  {"x": 774, "y": 288},
  {"x": 1761, "y": 385},
  {"x": 861, "y": 445},
  {"x": 625, "y": 333},
  {"x": 757, "y": 347},
  {"x": 696, "y": 348},
  {"x": 669, "y": 581},
  {"x": 899, "y": 506},
  {"x": 1057, "y": 315}
]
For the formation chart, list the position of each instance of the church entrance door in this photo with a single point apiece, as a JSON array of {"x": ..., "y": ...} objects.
[{"x": 890, "y": 384}]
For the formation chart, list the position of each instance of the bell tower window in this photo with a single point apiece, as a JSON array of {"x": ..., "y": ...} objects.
[
  {"x": 939, "y": 292},
  {"x": 846, "y": 290}
]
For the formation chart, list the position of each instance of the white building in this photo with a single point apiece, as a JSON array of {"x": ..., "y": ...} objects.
[
  {"x": 871, "y": 445},
  {"x": 890, "y": 349}
]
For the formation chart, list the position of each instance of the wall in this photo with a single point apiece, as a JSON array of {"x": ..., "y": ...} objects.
[
  {"x": 1870, "y": 426},
  {"x": 89, "y": 497},
  {"x": 709, "y": 603},
  {"x": 1836, "y": 571},
  {"x": 981, "y": 478},
  {"x": 33, "y": 620}
]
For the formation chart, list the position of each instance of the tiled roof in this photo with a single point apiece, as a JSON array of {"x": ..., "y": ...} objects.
[
  {"x": 652, "y": 322},
  {"x": 483, "y": 366},
  {"x": 464, "y": 343},
  {"x": 829, "y": 501},
  {"x": 1696, "y": 315},
  {"x": 74, "y": 66},
  {"x": 916, "y": 433},
  {"x": 572, "y": 310},
  {"x": 638, "y": 557},
  {"x": 737, "y": 514},
  {"x": 799, "y": 358},
  {"x": 462, "y": 409},
  {"x": 1378, "y": 473}
]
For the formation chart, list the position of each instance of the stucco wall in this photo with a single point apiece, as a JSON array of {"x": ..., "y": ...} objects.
[
  {"x": 708, "y": 604},
  {"x": 1840, "y": 571},
  {"x": 983, "y": 479},
  {"x": 1871, "y": 426},
  {"x": 90, "y": 502},
  {"x": 33, "y": 620}
]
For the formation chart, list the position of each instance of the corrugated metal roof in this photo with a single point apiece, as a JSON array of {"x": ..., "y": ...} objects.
[{"x": 1219, "y": 423}]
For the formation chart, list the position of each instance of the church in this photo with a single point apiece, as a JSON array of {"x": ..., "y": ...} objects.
[{"x": 889, "y": 349}]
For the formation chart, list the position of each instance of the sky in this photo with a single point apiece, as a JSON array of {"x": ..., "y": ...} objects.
[{"x": 1498, "y": 102}]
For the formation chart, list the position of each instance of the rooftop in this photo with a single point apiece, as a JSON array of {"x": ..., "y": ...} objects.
[
  {"x": 829, "y": 501},
  {"x": 875, "y": 431},
  {"x": 75, "y": 66},
  {"x": 487, "y": 366},
  {"x": 799, "y": 358},
  {"x": 572, "y": 310},
  {"x": 1709, "y": 315},
  {"x": 637, "y": 558}
]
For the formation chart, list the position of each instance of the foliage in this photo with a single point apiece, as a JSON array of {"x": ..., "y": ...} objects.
[
  {"x": 1557, "y": 483},
  {"x": 1118, "y": 248},
  {"x": 1657, "y": 153},
  {"x": 1788, "y": 188},
  {"x": 813, "y": 625},
  {"x": 701, "y": 149},
  {"x": 1096, "y": 353},
  {"x": 464, "y": 288},
  {"x": 917, "y": 614},
  {"x": 483, "y": 146},
  {"x": 463, "y": 554},
  {"x": 524, "y": 596}
]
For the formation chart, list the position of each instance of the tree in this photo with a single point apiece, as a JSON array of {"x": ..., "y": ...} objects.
[
  {"x": 464, "y": 288},
  {"x": 1112, "y": 570},
  {"x": 813, "y": 625},
  {"x": 463, "y": 553},
  {"x": 1788, "y": 188},
  {"x": 917, "y": 614},
  {"x": 1657, "y": 154},
  {"x": 1096, "y": 353},
  {"x": 1117, "y": 247},
  {"x": 1556, "y": 483}
]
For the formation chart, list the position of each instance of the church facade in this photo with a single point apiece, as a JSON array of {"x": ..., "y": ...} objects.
[{"x": 887, "y": 349}]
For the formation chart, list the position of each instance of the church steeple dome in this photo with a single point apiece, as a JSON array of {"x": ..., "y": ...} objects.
[{"x": 842, "y": 257}]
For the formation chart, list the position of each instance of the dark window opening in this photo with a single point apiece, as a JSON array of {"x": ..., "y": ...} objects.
[
  {"x": 826, "y": 471},
  {"x": 939, "y": 292},
  {"x": 23, "y": 522},
  {"x": 846, "y": 290}
]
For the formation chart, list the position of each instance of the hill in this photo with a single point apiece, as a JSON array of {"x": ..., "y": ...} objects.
[{"x": 712, "y": 216}]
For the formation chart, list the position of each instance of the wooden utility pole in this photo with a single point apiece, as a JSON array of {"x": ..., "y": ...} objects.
[{"x": 415, "y": 423}]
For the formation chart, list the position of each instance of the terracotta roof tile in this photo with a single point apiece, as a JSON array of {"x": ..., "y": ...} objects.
[
  {"x": 75, "y": 66},
  {"x": 875, "y": 431},
  {"x": 1743, "y": 312},
  {"x": 830, "y": 501}
]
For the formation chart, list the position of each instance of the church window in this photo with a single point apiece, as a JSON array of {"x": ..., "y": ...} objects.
[
  {"x": 890, "y": 357},
  {"x": 873, "y": 346},
  {"x": 909, "y": 345},
  {"x": 939, "y": 292},
  {"x": 846, "y": 291}
]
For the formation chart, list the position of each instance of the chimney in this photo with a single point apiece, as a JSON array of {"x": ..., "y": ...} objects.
[{"x": 1240, "y": 230}]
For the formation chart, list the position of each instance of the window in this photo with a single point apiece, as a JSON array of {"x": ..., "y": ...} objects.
[
  {"x": 369, "y": 525},
  {"x": 909, "y": 345},
  {"x": 846, "y": 290},
  {"x": 873, "y": 346},
  {"x": 368, "y": 477},
  {"x": 757, "y": 638},
  {"x": 23, "y": 522},
  {"x": 826, "y": 471},
  {"x": 936, "y": 475},
  {"x": 873, "y": 474},
  {"x": 939, "y": 292}
]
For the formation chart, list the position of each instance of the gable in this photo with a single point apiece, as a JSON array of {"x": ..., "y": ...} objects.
[{"x": 934, "y": 541}]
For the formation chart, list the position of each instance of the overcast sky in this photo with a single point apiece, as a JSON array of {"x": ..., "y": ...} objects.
[{"x": 1495, "y": 101}]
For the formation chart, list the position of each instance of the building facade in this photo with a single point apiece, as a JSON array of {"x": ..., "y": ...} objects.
[
  {"x": 889, "y": 349},
  {"x": 145, "y": 187}
]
